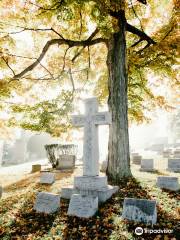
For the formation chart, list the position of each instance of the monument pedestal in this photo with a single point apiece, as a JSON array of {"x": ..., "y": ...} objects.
[{"x": 90, "y": 186}]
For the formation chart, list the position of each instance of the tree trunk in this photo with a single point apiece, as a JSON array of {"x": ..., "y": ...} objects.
[{"x": 118, "y": 158}]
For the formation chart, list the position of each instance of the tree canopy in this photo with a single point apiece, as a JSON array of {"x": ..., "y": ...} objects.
[{"x": 54, "y": 52}]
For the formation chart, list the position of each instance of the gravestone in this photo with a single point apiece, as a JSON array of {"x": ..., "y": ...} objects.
[
  {"x": 66, "y": 162},
  {"x": 147, "y": 165},
  {"x": 174, "y": 165},
  {"x": 167, "y": 153},
  {"x": 83, "y": 206},
  {"x": 90, "y": 184},
  {"x": 47, "y": 202},
  {"x": 176, "y": 153},
  {"x": 36, "y": 168},
  {"x": 136, "y": 159},
  {"x": 169, "y": 183},
  {"x": 104, "y": 165},
  {"x": 47, "y": 178},
  {"x": 140, "y": 210},
  {"x": 1, "y": 191}
]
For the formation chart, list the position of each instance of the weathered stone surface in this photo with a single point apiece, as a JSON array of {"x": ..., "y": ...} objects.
[
  {"x": 174, "y": 165},
  {"x": 36, "y": 168},
  {"x": 90, "y": 122},
  {"x": 1, "y": 191},
  {"x": 103, "y": 194},
  {"x": 90, "y": 183},
  {"x": 147, "y": 165},
  {"x": 47, "y": 178},
  {"x": 66, "y": 162},
  {"x": 140, "y": 210},
  {"x": 83, "y": 206},
  {"x": 136, "y": 159},
  {"x": 104, "y": 166},
  {"x": 47, "y": 202},
  {"x": 176, "y": 153},
  {"x": 169, "y": 183}
]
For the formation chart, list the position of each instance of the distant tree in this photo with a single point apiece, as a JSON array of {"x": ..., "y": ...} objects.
[{"x": 87, "y": 34}]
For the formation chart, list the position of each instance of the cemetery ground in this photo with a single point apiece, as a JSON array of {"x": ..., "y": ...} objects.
[{"x": 18, "y": 220}]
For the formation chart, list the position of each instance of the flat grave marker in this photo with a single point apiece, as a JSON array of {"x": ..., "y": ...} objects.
[
  {"x": 83, "y": 206},
  {"x": 147, "y": 165},
  {"x": 169, "y": 183},
  {"x": 47, "y": 178},
  {"x": 140, "y": 210},
  {"x": 47, "y": 202},
  {"x": 173, "y": 165}
]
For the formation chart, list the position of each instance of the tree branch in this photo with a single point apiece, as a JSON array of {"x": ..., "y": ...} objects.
[
  {"x": 143, "y": 36},
  {"x": 69, "y": 43}
]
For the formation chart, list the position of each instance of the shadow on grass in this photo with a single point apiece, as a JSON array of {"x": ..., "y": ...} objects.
[
  {"x": 100, "y": 227},
  {"x": 132, "y": 189},
  {"x": 27, "y": 221}
]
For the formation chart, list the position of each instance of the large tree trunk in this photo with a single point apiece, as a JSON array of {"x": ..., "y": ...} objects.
[{"x": 118, "y": 158}]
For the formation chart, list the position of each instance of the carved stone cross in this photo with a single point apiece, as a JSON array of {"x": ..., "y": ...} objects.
[{"x": 90, "y": 122}]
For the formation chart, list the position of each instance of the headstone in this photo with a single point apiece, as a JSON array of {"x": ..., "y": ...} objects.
[
  {"x": 66, "y": 162},
  {"x": 147, "y": 165},
  {"x": 167, "y": 153},
  {"x": 90, "y": 185},
  {"x": 36, "y": 168},
  {"x": 47, "y": 178},
  {"x": 83, "y": 206},
  {"x": 169, "y": 183},
  {"x": 174, "y": 165},
  {"x": 140, "y": 210},
  {"x": 104, "y": 166},
  {"x": 176, "y": 153},
  {"x": 1, "y": 191},
  {"x": 136, "y": 159},
  {"x": 47, "y": 202}
]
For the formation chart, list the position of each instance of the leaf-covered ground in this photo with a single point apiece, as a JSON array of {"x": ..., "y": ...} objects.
[{"x": 18, "y": 220}]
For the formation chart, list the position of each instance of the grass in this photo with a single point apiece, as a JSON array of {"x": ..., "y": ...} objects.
[{"x": 18, "y": 220}]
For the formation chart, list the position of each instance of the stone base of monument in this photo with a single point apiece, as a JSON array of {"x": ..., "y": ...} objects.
[
  {"x": 83, "y": 206},
  {"x": 90, "y": 186},
  {"x": 169, "y": 183}
]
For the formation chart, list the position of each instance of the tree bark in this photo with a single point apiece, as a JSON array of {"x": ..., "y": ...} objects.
[{"x": 118, "y": 158}]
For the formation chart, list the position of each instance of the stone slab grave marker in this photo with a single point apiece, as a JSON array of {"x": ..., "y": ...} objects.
[
  {"x": 83, "y": 206},
  {"x": 147, "y": 165},
  {"x": 140, "y": 210},
  {"x": 169, "y": 183},
  {"x": 66, "y": 162},
  {"x": 36, "y": 168},
  {"x": 136, "y": 158},
  {"x": 174, "y": 165},
  {"x": 47, "y": 202},
  {"x": 47, "y": 178},
  {"x": 176, "y": 153},
  {"x": 90, "y": 184}
]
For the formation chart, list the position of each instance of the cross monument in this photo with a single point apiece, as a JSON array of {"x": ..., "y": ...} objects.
[{"x": 90, "y": 122}]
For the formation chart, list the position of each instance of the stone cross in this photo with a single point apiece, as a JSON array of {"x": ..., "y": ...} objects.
[{"x": 90, "y": 122}]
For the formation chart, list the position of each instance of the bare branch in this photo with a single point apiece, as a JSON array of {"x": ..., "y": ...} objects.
[
  {"x": 70, "y": 43},
  {"x": 6, "y": 61},
  {"x": 81, "y": 50}
]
